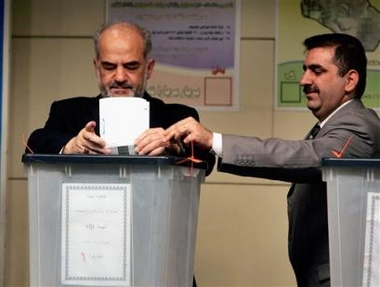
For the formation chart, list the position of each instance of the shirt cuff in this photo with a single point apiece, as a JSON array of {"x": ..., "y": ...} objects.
[{"x": 217, "y": 145}]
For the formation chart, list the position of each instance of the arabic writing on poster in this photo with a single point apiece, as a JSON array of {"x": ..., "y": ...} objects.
[{"x": 195, "y": 45}]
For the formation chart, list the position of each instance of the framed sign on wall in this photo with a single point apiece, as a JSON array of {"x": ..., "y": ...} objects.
[{"x": 196, "y": 46}]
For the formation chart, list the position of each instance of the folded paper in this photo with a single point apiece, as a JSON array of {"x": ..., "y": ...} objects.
[{"x": 122, "y": 120}]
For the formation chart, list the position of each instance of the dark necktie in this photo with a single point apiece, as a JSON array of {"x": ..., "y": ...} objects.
[{"x": 314, "y": 131}]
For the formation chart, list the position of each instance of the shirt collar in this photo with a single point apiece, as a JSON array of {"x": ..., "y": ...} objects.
[{"x": 334, "y": 112}]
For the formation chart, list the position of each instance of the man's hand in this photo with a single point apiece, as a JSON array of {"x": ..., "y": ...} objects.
[
  {"x": 189, "y": 130},
  {"x": 152, "y": 142},
  {"x": 86, "y": 142}
]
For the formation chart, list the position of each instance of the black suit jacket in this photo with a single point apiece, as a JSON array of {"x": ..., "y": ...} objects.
[{"x": 67, "y": 117}]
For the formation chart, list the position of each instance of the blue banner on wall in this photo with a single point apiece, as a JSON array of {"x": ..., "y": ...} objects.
[{"x": 2, "y": 70}]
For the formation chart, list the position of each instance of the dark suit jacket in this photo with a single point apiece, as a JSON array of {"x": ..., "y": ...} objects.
[
  {"x": 67, "y": 117},
  {"x": 299, "y": 161}
]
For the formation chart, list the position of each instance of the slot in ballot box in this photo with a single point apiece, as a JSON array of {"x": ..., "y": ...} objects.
[
  {"x": 353, "y": 200},
  {"x": 97, "y": 220}
]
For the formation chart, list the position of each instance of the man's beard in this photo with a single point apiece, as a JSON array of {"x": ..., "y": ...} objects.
[
  {"x": 140, "y": 90},
  {"x": 133, "y": 91}
]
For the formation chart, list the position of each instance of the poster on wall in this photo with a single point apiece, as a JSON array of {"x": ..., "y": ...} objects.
[
  {"x": 196, "y": 46},
  {"x": 299, "y": 19}
]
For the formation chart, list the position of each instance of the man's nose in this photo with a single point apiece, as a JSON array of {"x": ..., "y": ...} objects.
[
  {"x": 305, "y": 79},
  {"x": 120, "y": 75}
]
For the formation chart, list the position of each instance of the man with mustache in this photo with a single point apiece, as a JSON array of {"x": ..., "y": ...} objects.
[
  {"x": 123, "y": 67},
  {"x": 333, "y": 81}
]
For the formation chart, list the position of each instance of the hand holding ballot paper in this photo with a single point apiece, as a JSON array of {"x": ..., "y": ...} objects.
[{"x": 121, "y": 121}]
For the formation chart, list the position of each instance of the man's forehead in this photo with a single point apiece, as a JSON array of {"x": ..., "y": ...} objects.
[{"x": 320, "y": 55}]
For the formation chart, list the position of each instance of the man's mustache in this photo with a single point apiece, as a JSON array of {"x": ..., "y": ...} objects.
[
  {"x": 120, "y": 86},
  {"x": 307, "y": 89}
]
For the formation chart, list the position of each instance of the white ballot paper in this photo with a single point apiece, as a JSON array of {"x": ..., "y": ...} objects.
[
  {"x": 371, "y": 270},
  {"x": 96, "y": 234},
  {"x": 122, "y": 120}
]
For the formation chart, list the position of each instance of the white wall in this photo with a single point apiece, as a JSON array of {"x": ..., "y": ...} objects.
[{"x": 242, "y": 234}]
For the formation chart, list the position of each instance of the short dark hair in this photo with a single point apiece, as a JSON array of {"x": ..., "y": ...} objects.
[
  {"x": 349, "y": 55},
  {"x": 145, "y": 34}
]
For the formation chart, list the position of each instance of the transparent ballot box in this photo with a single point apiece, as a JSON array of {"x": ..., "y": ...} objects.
[
  {"x": 353, "y": 196},
  {"x": 98, "y": 220}
]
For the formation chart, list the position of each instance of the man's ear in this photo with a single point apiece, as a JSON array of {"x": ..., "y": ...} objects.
[
  {"x": 352, "y": 79},
  {"x": 150, "y": 66},
  {"x": 95, "y": 62}
]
